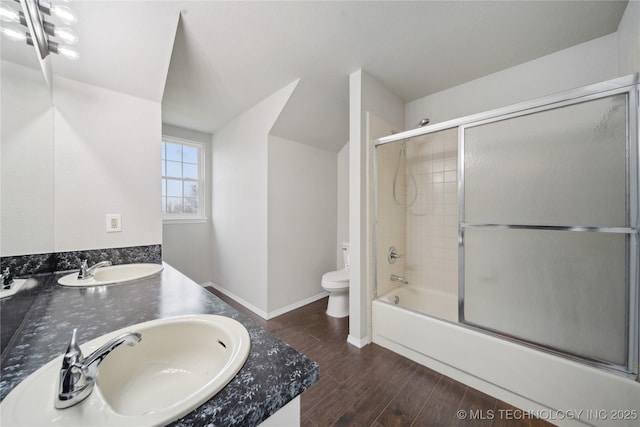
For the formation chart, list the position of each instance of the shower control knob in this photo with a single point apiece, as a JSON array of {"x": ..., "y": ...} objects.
[{"x": 393, "y": 255}]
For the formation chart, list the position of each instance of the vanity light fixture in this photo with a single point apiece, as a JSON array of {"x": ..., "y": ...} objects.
[
  {"x": 8, "y": 14},
  {"x": 39, "y": 32},
  {"x": 63, "y": 13},
  {"x": 14, "y": 34}
]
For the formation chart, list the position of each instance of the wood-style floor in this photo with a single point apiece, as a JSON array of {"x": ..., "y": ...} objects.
[{"x": 373, "y": 386}]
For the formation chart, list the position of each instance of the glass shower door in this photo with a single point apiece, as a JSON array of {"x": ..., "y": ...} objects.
[{"x": 548, "y": 227}]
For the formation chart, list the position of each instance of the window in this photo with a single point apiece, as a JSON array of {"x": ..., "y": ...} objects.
[{"x": 182, "y": 180}]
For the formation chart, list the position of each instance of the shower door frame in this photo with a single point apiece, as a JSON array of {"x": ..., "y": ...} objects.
[
  {"x": 629, "y": 87},
  {"x": 627, "y": 84}
]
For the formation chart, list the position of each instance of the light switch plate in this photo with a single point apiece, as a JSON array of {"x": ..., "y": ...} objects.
[{"x": 114, "y": 223}]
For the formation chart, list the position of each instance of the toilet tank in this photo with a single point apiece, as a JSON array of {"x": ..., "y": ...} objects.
[{"x": 345, "y": 255}]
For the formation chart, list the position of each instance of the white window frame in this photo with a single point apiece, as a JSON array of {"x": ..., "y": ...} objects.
[{"x": 201, "y": 216}]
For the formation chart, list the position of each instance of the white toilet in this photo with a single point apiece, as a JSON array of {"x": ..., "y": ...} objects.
[{"x": 337, "y": 284}]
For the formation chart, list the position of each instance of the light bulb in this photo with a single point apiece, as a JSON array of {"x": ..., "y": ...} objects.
[
  {"x": 9, "y": 15},
  {"x": 68, "y": 52},
  {"x": 13, "y": 34},
  {"x": 66, "y": 35},
  {"x": 65, "y": 14}
]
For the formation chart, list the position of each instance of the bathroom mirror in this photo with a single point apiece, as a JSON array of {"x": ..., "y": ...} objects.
[{"x": 26, "y": 153}]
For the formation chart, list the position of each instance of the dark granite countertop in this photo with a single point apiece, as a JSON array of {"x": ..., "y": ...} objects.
[{"x": 273, "y": 374}]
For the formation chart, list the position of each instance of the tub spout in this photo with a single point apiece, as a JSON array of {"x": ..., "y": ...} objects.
[{"x": 395, "y": 278}]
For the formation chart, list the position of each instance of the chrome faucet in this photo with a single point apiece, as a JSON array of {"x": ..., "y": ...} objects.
[
  {"x": 78, "y": 373},
  {"x": 7, "y": 278},
  {"x": 399, "y": 279},
  {"x": 86, "y": 271}
]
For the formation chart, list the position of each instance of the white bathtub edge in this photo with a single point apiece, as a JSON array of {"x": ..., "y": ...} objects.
[
  {"x": 523, "y": 377},
  {"x": 464, "y": 377}
]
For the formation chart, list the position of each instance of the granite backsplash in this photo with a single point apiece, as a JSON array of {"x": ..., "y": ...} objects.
[{"x": 37, "y": 267}]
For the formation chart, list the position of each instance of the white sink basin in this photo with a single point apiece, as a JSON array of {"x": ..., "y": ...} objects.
[
  {"x": 179, "y": 364},
  {"x": 112, "y": 274}
]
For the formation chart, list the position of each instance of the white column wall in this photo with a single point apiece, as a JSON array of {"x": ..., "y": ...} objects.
[
  {"x": 365, "y": 95},
  {"x": 342, "y": 203}
]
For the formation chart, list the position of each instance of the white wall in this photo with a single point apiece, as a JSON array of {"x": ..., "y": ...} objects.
[
  {"x": 302, "y": 222},
  {"x": 342, "y": 203},
  {"x": 107, "y": 160},
  {"x": 570, "y": 68},
  {"x": 239, "y": 201},
  {"x": 365, "y": 95},
  {"x": 629, "y": 40},
  {"x": 26, "y": 162},
  {"x": 189, "y": 246},
  {"x": 273, "y": 211}
]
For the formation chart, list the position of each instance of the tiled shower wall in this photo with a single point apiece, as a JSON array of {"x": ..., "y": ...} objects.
[
  {"x": 391, "y": 218},
  {"x": 432, "y": 221},
  {"x": 422, "y": 223}
]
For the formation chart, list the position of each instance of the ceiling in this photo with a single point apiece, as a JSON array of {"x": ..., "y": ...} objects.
[{"x": 208, "y": 61}]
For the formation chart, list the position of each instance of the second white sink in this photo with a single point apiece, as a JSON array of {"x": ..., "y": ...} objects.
[{"x": 113, "y": 274}]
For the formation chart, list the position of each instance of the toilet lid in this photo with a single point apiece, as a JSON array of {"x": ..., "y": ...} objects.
[{"x": 340, "y": 278}]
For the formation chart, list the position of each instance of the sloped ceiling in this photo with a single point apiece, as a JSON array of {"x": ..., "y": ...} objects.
[
  {"x": 230, "y": 55},
  {"x": 225, "y": 56}
]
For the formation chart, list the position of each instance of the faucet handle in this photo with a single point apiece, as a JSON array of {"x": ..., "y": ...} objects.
[
  {"x": 84, "y": 266},
  {"x": 71, "y": 382},
  {"x": 7, "y": 278},
  {"x": 73, "y": 385},
  {"x": 393, "y": 255},
  {"x": 78, "y": 374},
  {"x": 73, "y": 353}
]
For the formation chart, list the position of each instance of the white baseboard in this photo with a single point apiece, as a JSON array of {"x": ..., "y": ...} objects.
[
  {"x": 358, "y": 342},
  {"x": 261, "y": 313},
  {"x": 291, "y": 307},
  {"x": 237, "y": 299}
]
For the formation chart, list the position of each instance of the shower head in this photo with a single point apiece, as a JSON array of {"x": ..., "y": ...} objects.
[{"x": 423, "y": 122}]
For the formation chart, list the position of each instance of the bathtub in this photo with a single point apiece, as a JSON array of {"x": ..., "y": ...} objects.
[
  {"x": 423, "y": 300},
  {"x": 562, "y": 391}
]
